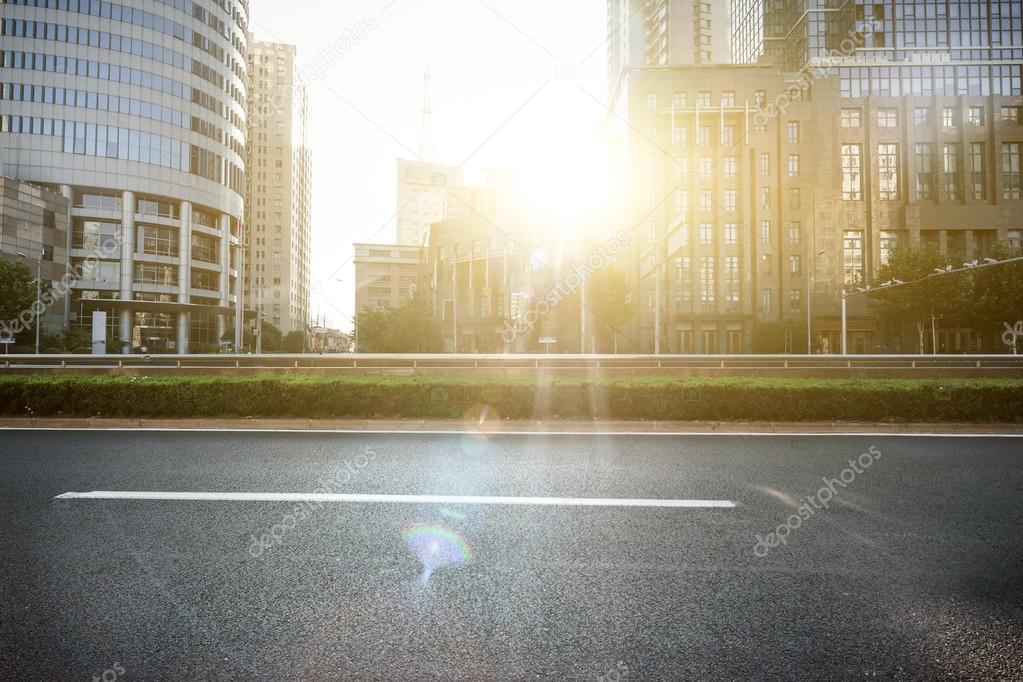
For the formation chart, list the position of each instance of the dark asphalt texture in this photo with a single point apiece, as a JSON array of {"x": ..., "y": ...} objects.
[{"x": 915, "y": 571}]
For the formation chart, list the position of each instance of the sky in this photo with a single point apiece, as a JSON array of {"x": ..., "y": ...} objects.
[{"x": 513, "y": 83}]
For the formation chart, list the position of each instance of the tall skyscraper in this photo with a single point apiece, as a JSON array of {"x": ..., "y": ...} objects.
[
  {"x": 135, "y": 112},
  {"x": 666, "y": 33},
  {"x": 277, "y": 262},
  {"x": 793, "y": 33}
]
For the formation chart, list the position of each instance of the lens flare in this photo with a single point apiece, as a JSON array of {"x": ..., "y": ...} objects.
[{"x": 437, "y": 546}]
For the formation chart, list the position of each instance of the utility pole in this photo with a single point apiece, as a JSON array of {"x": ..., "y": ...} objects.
[{"x": 259, "y": 316}]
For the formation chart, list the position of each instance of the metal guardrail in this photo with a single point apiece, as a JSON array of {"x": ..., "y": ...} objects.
[{"x": 523, "y": 362}]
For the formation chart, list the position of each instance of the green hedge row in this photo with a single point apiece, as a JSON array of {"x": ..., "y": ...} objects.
[{"x": 724, "y": 399}]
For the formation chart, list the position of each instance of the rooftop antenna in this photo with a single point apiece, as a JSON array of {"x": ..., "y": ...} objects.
[{"x": 426, "y": 142}]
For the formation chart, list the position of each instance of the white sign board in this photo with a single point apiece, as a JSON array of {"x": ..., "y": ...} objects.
[
  {"x": 99, "y": 332},
  {"x": 548, "y": 339},
  {"x": 6, "y": 339}
]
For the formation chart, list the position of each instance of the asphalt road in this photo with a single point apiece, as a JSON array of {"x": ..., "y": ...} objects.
[{"x": 912, "y": 568}]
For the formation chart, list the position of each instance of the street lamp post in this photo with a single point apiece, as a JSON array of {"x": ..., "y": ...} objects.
[
  {"x": 895, "y": 283},
  {"x": 811, "y": 276},
  {"x": 39, "y": 294}
]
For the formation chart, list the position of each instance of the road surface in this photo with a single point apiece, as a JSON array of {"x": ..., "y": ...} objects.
[{"x": 632, "y": 557}]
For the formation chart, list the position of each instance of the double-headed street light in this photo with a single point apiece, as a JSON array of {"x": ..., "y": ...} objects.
[
  {"x": 938, "y": 272},
  {"x": 39, "y": 294}
]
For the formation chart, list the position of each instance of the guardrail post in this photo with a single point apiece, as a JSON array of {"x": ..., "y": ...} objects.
[
  {"x": 912, "y": 364},
  {"x": 786, "y": 364},
  {"x": 296, "y": 364},
  {"x": 237, "y": 364},
  {"x": 848, "y": 364},
  {"x": 179, "y": 364},
  {"x": 120, "y": 364},
  {"x": 978, "y": 364},
  {"x": 63, "y": 364},
  {"x": 475, "y": 364},
  {"x": 722, "y": 364},
  {"x": 659, "y": 366}
]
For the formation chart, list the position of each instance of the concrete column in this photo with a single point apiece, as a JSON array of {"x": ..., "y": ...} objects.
[
  {"x": 127, "y": 321},
  {"x": 239, "y": 288},
  {"x": 184, "y": 274},
  {"x": 971, "y": 251},
  {"x": 225, "y": 263},
  {"x": 943, "y": 241},
  {"x": 68, "y": 193}
]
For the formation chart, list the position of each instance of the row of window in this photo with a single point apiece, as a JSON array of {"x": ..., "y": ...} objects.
[
  {"x": 951, "y": 175},
  {"x": 104, "y": 9},
  {"x": 888, "y": 117},
  {"x": 111, "y": 142},
  {"x": 94, "y": 235},
  {"x": 925, "y": 81},
  {"x": 73, "y": 35},
  {"x": 72, "y": 66},
  {"x": 39, "y": 94},
  {"x": 109, "y": 273}
]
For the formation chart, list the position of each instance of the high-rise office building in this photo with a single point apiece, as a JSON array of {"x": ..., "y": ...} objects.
[
  {"x": 135, "y": 112},
  {"x": 794, "y": 33},
  {"x": 665, "y": 33},
  {"x": 278, "y": 256},
  {"x": 423, "y": 198}
]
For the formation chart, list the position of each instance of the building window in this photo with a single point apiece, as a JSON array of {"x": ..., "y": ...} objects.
[
  {"x": 794, "y": 263},
  {"x": 682, "y": 170},
  {"x": 728, "y": 135},
  {"x": 852, "y": 257},
  {"x": 887, "y": 118},
  {"x": 948, "y": 118},
  {"x": 765, "y": 231},
  {"x": 950, "y": 169},
  {"x": 795, "y": 199},
  {"x": 730, "y": 166},
  {"x": 1011, "y": 170},
  {"x": 888, "y": 241},
  {"x": 728, "y": 98},
  {"x": 679, "y": 100},
  {"x": 731, "y": 279},
  {"x": 851, "y": 118},
  {"x": 706, "y": 233},
  {"x": 888, "y": 171},
  {"x": 977, "y": 180},
  {"x": 793, "y": 130},
  {"x": 679, "y": 135},
  {"x": 706, "y": 202},
  {"x": 704, "y": 136},
  {"x": 1012, "y": 115},
  {"x": 651, "y": 101},
  {"x": 160, "y": 241},
  {"x": 759, "y": 98},
  {"x": 765, "y": 164},
  {"x": 976, "y": 116},
  {"x": 731, "y": 234},
  {"x": 924, "y": 171},
  {"x": 765, "y": 301},
  {"x": 793, "y": 165},
  {"x": 729, "y": 200},
  {"x": 922, "y": 116},
  {"x": 707, "y": 288},
  {"x": 681, "y": 202},
  {"x": 795, "y": 300},
  {"x": 765, "y": 197},
  {"x": 703, "y": 99},
  {"x": 765, "y": 264},
  {"x": 1015, "y": 239},
  {"x": 706, "y": 167},
  {"x": 795, "y": 232},
  {"x": 852, "y": 183}
]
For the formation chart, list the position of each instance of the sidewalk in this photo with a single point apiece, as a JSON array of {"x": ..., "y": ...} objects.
[{"x": 421, "y": 425}]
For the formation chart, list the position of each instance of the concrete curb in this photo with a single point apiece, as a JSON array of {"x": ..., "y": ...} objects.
[{"x": 416, "y": 425}]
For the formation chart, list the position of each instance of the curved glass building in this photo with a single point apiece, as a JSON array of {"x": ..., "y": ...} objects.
[{"x": 134, "y": 110}]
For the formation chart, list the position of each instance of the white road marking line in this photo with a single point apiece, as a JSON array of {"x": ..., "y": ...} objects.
[
  {"x": 406, "y": 432},
  {"x": 396, "y": 499}
]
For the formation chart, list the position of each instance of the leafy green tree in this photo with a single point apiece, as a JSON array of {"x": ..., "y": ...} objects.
[
  {"x": 996, "y": 293},
  {"x": 413, "y": 328},
  {"x": 294, "y": 342},
  {"x": 17, "y": 296},
  {"x": 608, "y": 302},
  {"x": 371, "y": 324},
  {"x": 918, "y": 303},
  {"x": 272, "y": 338}
]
